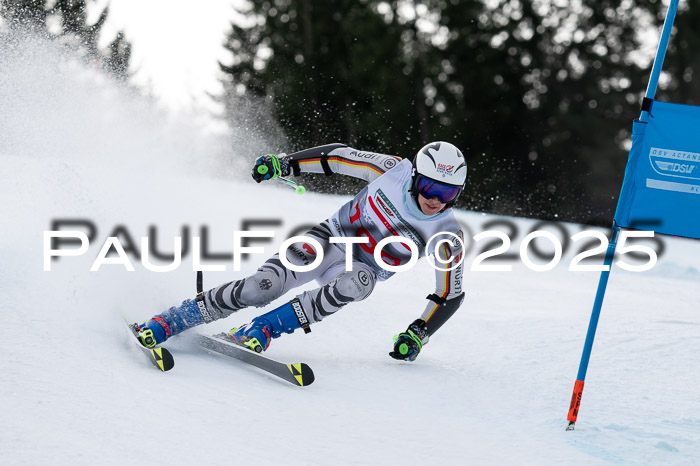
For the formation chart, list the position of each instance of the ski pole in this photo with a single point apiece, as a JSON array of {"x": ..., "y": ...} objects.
[
  {"x": 299, "y": 188},
  {"x": 592, "y": 326}
]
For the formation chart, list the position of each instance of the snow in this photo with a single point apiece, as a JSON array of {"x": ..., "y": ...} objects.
[{"x": 492, "y": 387}]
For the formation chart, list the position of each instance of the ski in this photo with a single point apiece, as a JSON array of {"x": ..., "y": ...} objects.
[
  {"x": 160, "y": 357},
  {"x": 299, "y": 374}
]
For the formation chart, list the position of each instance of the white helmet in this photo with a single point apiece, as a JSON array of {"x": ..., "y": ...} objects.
[{"x": 439, "y": 170}]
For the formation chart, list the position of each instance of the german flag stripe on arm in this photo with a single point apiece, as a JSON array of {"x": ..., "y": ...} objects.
[
  {"x": 445, "y": 284},
  {"x": 343, "y": 161}
]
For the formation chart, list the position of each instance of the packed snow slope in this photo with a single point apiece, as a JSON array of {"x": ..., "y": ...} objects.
[{"x": 492, "y": 386}]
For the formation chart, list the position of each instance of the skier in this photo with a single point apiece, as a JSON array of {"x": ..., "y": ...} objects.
[{"x": 402, "y": 198}]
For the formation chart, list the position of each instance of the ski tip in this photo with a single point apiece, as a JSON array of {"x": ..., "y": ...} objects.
[
  {"x": 302, "y": 374},
  {"x": 163, "y": 359}
]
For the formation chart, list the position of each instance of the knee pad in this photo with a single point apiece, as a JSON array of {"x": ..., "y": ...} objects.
[{"x": 356, "y": 284}]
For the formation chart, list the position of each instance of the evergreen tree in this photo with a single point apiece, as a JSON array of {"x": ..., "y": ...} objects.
[
  {"x": 27, "y": 15},
  {"x": 560, "y": 94},
  {"x": 334, "y": 71},
  {"x": 540, "y": 95},
  {"x": 74, "y": 25},
  {"x": 116, "y": 62},
  {"x": 682, "y": 63},
  {"x": 73, "y": 30}
]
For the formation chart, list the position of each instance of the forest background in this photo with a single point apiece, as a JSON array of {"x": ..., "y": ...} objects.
[{"x": 538, "y": 94}]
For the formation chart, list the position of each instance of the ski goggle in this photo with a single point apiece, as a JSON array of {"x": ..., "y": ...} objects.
[{"x": 430, "y": 188}]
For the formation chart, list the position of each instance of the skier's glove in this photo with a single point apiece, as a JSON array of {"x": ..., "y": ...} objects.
[
  {"x": 408, "y": 344},
  {"x": 270, "y": 166}
]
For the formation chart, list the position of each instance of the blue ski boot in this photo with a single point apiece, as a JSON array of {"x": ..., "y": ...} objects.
[
  {"x": 171, "y": 322},
  {"x": 285, "y": 319}
]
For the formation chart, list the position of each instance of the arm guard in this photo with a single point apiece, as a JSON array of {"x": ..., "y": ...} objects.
[
  {"x": 338, "y": 158},
  {"x": 317, "y": 154},
  {"x": 448, "y": 295},
  {"x": 446, "y": 308}
]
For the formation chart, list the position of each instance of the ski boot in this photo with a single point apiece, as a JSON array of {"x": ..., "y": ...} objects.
[
  {"x": 285, "y": 319},
  {"x": 171, "y": 322}
]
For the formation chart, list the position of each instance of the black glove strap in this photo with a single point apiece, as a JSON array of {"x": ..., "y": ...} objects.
[
  {"x": 436, "y": 299},
  {"x": 326, "y": 167},
  {"x": 294, "y": 165},
  {"x": 203, "y": 310},
  {"x": 300, "y": 314}
]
